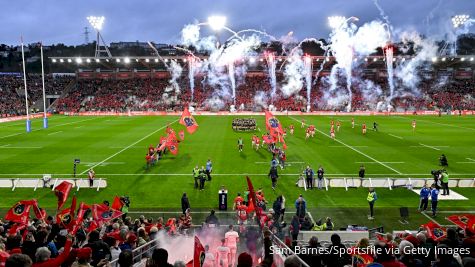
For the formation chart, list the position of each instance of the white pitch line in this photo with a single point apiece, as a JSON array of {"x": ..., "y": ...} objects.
[
  {"x": 470, "y": 159},
  {"x": 5, "y": 136},
  {"x": 457, "y": 211},
  {"x": 395, "y": 136},
  {"x": 356, "y": 150},
  {"x": 131, "y": 145},
  {"x": 450, "y": 125},
  {"x": 55, "y": 132},
  {"x": 465, "y": 162},
  {"x": 388, "y": 162},
  {"x": 24, "y": 147},
  {"x": 345, "y": 146},
  {"x": 435, "y": 148},
  {"x": 430, "y": 218},
  {"x": 50, "y": 127}
]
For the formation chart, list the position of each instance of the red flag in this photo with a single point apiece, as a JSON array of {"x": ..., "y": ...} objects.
[
  {"x": 172, "y": 144},
  {"x": 188, "y": 121},
  {"x": 461, "y": 220},
  {"x": 19, "y": 213},
  {"x": 62, "y": 192},
  {"x": 435, "y": 231},
  {"x": 15, "y": 228},
  {"x": 79, "y": 219},
  {"x": 273, "y": 125},
  {"x": 181, "y": 134},
  {"x": 252, "y": 199},
  {"x": 198, "y": 255},
  {"x": 470, "y": 226},
  {"x": 173, "y": 147},
  {"x": 102, "y": 214},
  {"x": 64, "y": 217},
  {"x": 117, "y": 204}
]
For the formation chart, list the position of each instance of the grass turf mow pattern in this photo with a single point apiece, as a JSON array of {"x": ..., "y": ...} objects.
[{"x": 116, "y": 148}]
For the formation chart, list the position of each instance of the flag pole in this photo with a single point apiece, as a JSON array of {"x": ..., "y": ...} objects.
[
  {"x": 45, "y": 118},
  {"x": 28, "y": 122}
]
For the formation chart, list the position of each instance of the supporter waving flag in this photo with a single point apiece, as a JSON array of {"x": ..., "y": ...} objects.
[
  {"x": 198, "y": 255},
  {"x": 188, "y": 121},
  {"x": 461, "y": 220},
  {"x": 19, "y": 213},
  {"x": 252, "y": 199},
  {"x": 62, "y": 192},
  {"x": 273, "y": 125},
  {"x": 435, "y": 231},
  {"x": 117, "y": 204},
  {"x": 102, "y": 214}
]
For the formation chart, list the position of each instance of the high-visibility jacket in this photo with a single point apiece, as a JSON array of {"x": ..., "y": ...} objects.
[
  {"x": 371, "y": 196},
  {"x": 196, "y": 173}
]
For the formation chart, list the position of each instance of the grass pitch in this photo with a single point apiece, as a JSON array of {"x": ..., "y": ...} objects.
[{"x": 116, "y": 147}]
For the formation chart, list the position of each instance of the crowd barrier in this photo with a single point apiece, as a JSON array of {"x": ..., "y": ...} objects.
[
  {"x": 35, "y": 183},
  {"x": 389, "y": 183},
  {"x": 325, "y": 236}
]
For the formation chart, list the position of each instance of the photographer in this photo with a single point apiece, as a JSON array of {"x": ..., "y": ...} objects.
[
  {"x": 443, "y": 161},
  {"x": 437, "y": 181}
]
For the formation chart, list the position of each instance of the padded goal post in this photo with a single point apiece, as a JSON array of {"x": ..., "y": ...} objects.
[{"x": 35, "y": 183}]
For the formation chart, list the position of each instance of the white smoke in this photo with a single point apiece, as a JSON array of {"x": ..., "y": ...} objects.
[
  {"x": 260, "y": 99},
  {"x": 407, "y": 71},
  {"x": 175, "y": 70},
  {"x": 293, "y": 74}
]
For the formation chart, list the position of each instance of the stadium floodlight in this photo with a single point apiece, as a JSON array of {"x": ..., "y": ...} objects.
[
  {"x": 78, "y": 60},
  {"x": 366, "y": 59},
  {"x": 252, "y": 60},
  {"x": 443, "y": 59},
  {"x": 459, "y": 20},
  {"x": 156, "y": 60},
  {"x": 54, "y": 60},
  {"x": 117, "y": 60},
  {"x": 147, "y": 60},
  {"x": 471, "y": 59},
  {"x": 97, "y": 23},
  {"x": 69, "y": 60},
  {"x": 98, "y": 60},
  {"x": 434, "y": 59},
  {"x": 126, "y": 60},
  {"x": 375, "y": 59},
  {"x": 61, "y": 60},
  {"x": 462, "y": 59},
  {"x": 217, "y": 22},
  {"x": 88, "y": 60}
]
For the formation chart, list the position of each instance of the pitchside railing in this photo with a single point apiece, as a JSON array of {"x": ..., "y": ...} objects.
[
  {"x": 389, "y": 183},
  {"x": 48, "y": 182}
]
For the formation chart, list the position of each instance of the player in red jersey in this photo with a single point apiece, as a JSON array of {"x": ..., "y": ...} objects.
[
  {"x": 291, "y": 128},
  {"x": 312, "y": 130},
  {"x": 338, "y": 124},
  {"x": 352, "y": 123},
  {"x": 307, "y": 133},
  {"x": 332, "y": 132},
  {"x": 238, "y": 201},
  {"x": 363, "y": 127},
  {"x": 413, "y": 125}
]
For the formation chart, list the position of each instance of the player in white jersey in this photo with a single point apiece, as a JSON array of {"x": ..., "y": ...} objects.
[
  {"x": 209, "y": 258},
  {"x": 352, "y": 123},
  {"x": 413, "y": 125},
  {"x": 222, "y": 255},
  {"x": 232, "y": 239}
]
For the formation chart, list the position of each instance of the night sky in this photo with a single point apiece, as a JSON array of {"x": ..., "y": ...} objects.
[{"x": 63, "y": 21}]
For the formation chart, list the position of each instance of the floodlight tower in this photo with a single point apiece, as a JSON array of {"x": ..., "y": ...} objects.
[
  {"x": 97, "y": 23},
  {"x": 458, "y": 21},
  {"x": 217, "y": 23}
]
